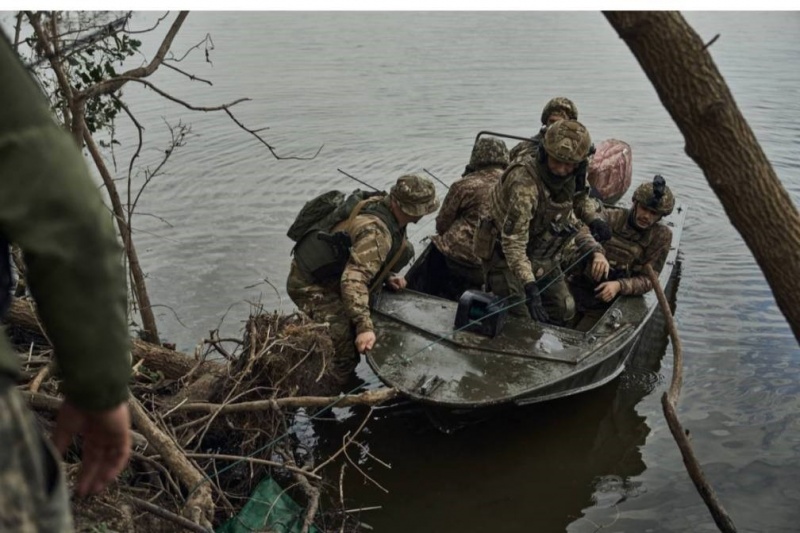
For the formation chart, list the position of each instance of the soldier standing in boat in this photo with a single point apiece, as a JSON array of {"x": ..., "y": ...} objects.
[
  {"x": 531, "y": 219},
  {"x": 465, "y": 204},
  {"x": 332, "y": 282},
  {"x": 638, "y": 238}
]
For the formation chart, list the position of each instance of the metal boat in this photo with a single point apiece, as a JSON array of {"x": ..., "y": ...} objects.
[{"x": 422, "y": 354}]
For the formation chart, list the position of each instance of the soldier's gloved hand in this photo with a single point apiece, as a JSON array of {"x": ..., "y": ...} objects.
[
  {"x": 600, "y": 230},
  {"x": 534, "y": 302}
]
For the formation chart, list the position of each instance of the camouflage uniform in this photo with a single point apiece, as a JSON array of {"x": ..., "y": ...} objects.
[
  {"x": 532, "y": 219},
  {"x": 343, "y": 300},
  {"x": 527, "y": 148},
  {"x": 465, "y": 204},
  {"x": 559, "y": 105},
  {"x": 34, "y": 497},
  {"x": 51, "y": 208},
  {"x": 629, "y": 249},
  {"x": 627, "y": 252},
  {"x": 533, "y": 228}
]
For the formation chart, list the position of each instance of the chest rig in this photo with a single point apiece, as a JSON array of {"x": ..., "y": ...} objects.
[
  {"x": 625, "y": 250},
  {"x": 550, "y": 227}
]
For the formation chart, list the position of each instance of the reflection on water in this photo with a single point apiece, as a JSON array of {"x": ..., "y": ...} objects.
[{"x": 385, "y": 93}]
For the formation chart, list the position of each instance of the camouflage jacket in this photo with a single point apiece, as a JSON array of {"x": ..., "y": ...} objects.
[
  {"x": 466, "y": 203},
  {"x": 372, "y": 243},
  {"x": 525, "y": 148},
  {"x": 630, "y": 249},
  {"x": 521, "y": 216},
  {"x": 587, "y": 208}
]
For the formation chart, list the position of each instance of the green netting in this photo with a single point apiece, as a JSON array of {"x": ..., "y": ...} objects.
[{"x": 269, "y": 509}]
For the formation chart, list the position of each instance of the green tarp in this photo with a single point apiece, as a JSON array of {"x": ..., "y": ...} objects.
[{"x": 269, "y": 509}]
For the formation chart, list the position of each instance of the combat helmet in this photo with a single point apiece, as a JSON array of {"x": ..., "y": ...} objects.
[
  {"x": 560, "y": 104},
  {"x": 655, "y": 196},
  {"x": 568, "y": 141},
  {"x": 488, "y": 151}
]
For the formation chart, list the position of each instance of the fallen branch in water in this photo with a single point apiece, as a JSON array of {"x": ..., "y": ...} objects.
[{"x": 669, "y": 401}]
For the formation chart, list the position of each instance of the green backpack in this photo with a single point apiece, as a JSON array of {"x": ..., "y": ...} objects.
[{"x": 314, "y": 211}]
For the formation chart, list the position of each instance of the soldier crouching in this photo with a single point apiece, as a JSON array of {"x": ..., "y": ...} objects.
[{"x": 333, "y": 285}]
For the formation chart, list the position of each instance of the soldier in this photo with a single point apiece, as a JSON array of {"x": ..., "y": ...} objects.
[
  {"x": 558, "y": 108},
  {"x": 637, "y": 239},
  {"x": 586, "y": 207},
  {"x": 531, "y": 218},
  {"x": 339, "y": 295},
  {"x": 51, "y": 208},
  {"x": 465, "y": 204}
]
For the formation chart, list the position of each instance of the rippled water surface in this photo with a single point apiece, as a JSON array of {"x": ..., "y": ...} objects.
[{"x": 386, "y": 93}]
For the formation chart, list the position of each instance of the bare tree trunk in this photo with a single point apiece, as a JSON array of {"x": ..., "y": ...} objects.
[
  {"x": 139, "y": 286},
  {"x": 721, "y": 142}
]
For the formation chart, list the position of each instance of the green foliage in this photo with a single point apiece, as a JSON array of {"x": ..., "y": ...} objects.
[
  {"x": 86, "y": 67},
  {"x": 95, "y": 64}
]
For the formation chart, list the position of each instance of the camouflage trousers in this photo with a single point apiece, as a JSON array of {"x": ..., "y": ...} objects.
[
  {"x": 323, "y": 303},
  {"x": 556, "y": 296},
  {"x": 33, "y": 491}
]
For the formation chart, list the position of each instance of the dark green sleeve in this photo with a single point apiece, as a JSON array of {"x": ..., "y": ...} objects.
[{"x": 51, "y": 208}]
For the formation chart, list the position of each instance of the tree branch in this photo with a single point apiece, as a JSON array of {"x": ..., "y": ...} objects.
[
  {"x": 114, "y": 84},
  {"x": 372, "y": 397},
  {"x": 669, "y": 402}
]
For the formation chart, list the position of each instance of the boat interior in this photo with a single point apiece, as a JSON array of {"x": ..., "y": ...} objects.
[{"x": 430, "y": 275}]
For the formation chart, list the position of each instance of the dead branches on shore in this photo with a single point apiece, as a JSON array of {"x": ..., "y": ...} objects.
[{"x": 208, "y": 429}]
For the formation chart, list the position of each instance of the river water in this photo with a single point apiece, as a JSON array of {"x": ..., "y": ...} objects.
[{"x": 381, "y": 94}]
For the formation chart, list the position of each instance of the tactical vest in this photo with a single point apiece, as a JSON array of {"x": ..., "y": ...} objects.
[
  {"x": 550, "y": 227},
  {"x": 324, "y": 259},
  {"x": 625, "y": 250}
]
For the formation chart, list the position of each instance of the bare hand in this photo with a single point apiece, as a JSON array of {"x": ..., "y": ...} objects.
[
  {"x": 365, "y": 341},
  {"x": 600, "y": 267},
  {"x": 607, "y": 290},
  {"x": 396, "y": 283},
  {"x": 106, "y": 443}
]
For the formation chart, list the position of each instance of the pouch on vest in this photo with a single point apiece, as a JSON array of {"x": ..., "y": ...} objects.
[
  {"x": 483, "y": 241},
  {"x": 314, "y": 211},
  {"x": 321, "y": 253},
  {"x": 326, "y": 259}
]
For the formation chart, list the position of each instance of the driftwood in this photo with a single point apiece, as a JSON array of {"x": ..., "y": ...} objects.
[{"x": 669, "y": 402}]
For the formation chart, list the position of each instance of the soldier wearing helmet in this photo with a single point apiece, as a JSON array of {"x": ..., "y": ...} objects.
[
  {"x": 465, "y": 204},
  {"x": 637, "y": 239},
  {"x": 337, "y": 291},
  {"x": 558, "y": 108},
  {"x": 586, "y": 208},
  {"x": 532, "y": 219}
]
